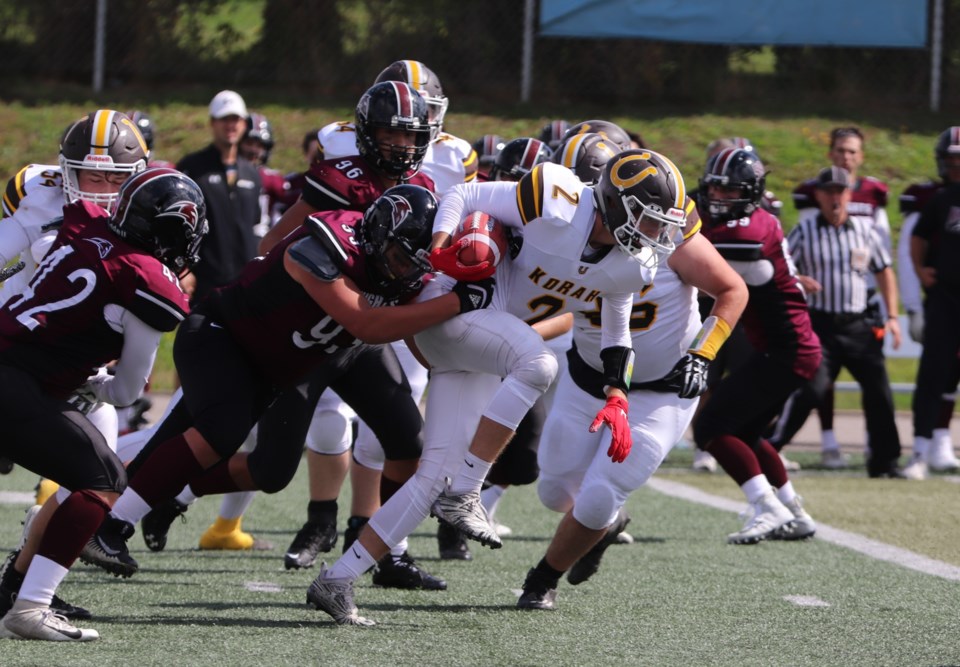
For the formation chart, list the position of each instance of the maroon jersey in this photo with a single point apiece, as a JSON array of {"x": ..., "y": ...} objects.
[
  {"x": 59, "y": 329},
  {"x": 867, "y": 196},
  {"x": 349, "y": 183},
  {"x": 283, "y": 331},
  {"x": 776, "y": 320},
  {"x": 916, "y": 197},
  {"x": 274, "y": 192}
]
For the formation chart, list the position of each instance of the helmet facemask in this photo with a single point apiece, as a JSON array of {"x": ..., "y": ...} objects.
[{"x": 647, "y": 233}]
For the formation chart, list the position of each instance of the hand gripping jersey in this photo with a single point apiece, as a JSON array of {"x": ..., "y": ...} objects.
[
  {"x": 32, "y": 199},
  {"x": 65, "y": 323},
  {"x": 282, "y": 329},
  {"x": 449, "y": 160},
  {"x": 776, "y": 320},
  {"x": 347, "y": 183}
]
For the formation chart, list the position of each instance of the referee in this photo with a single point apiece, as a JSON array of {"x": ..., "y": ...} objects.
[{"x": 834, "y": 252}]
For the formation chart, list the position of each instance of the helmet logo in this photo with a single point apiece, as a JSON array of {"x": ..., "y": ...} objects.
[
  {"x": 624, "y": 183},
  {"x": 400, "y": 209},
  {"x": 186, "y": 211}
]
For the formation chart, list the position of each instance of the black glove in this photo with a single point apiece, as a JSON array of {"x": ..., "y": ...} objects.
[
  {"x": 689, "y": 376},
  {"x": 476, "y": 295}
]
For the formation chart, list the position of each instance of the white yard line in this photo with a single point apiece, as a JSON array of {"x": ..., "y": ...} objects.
[
  {"x": 16, "y": 498},
  {"x": 843, "y": 538}
]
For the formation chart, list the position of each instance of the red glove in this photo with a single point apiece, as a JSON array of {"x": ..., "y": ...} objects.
[
  {"x": 448, "y": 261},
  {"x": 614, "y": 415}
]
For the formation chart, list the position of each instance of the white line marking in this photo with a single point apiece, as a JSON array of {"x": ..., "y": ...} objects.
[
  {"x": 806, "y": 600},
  {"x": 843, "y": 538},
  {"x": 262, "y": 587},
  {"x": 16, "y": 497}
]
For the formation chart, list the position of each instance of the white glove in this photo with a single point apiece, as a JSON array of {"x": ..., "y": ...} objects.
[{"x": 916, "y": 325}]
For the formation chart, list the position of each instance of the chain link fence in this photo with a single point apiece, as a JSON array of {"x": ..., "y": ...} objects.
[{"x": 336, "y": 47}]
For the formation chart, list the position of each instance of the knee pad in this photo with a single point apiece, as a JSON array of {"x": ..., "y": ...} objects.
[
  {"x": 367, "y": 450},
  {"x": 331, "y": 432},
  {"x": 596, "y": 506},
  {"x": 554, "y": 494},
  {"x": 527, "y": 381}
]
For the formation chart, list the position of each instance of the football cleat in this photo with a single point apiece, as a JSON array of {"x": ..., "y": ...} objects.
[
  {"x": 789, "y": 465},
  {"x": 10, "y": 583},
  {"x": 402, "y": 572},
  {"x": 312, "y": 539},
  {"x": 335, "y": 597},
  {"x": 156, "y": 524},
  {"x": 763, "y": 518},
  {"x": 916, "y": 468},
  {"x": 466, "y": 513},
  {"x": 940, "y": 456},
  {"x": 107, "y": 548},
  {"x": 451, "y": 543},
  {"x": 589, "y": 563},
  {"x": 33, "y": 620},
  {"x": 834, "y": 459},
  {"x": 802, "y": 527},
  {"x": 539, "y": 592},
  {"x": 226, "y": 535},
  {"x": 704, "y": 461}
]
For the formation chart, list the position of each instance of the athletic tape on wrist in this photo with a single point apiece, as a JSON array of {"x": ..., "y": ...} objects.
[{"x": 711, "y": 336}]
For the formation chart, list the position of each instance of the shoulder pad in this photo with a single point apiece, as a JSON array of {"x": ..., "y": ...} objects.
[
  {"x": 15, "y": 192},
  {"x": 320, "y": 253},
  {"x": 546, "y": 187}
]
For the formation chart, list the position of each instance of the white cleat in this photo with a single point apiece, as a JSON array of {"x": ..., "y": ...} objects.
[
  {"x": 834, "y": 459},
  {"x": 788, "y": 465},
  {"x": 763, "y": 518},
  {"x": 941, "y": 457},
  {"x": 704, "y": 461},
  {"x": 916, "y": 469},
  {"x": 335, "y": 597},
  {"x": 466, "y": 513},
  {"x": 32, "y": 620},
  {"x": 802, "y": 526}
]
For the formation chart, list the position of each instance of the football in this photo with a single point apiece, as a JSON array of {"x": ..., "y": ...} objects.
[{"x": 486, "y": 239}]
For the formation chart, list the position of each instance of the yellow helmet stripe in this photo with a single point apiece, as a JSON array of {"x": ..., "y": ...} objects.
[
  {"x": 137, "y": 134},
  {"x": 681, "y": 186},
  {"x": 413, "y": 68},
  {"x": 102, "y": 122},
  {"x": 573, "y": 147}
]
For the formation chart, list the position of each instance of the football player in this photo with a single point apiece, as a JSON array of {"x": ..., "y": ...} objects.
[
  {"x": 553, "y": 133},
  {"x": 786, "y": 350},
  {"x": 518, "y": 158},
  {"x": 107, "y": 289},
  {"x": 256, "y": 146},
  {"x": 487, "y": 147},
  {"x": 580, "y": 244}
]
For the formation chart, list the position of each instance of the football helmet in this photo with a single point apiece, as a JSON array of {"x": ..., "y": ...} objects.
[
  {"x": 162, "y": 211},
  {"x": 553, "y": 132},
  {"x": 422, "y": 79},
  {"x": 606, "y": 129},
  {"x": 145, "y": 124},
  {"x": 392, "y": 105},
  {"x": 586, "y": 155},
  {"x": 488, "y": 147},
  {"x": 641, "y": 197},
  {"x": 395, "y": 235},
  {"x": 518, "y": 158},
  {"x": 948, "y": 143},
  {"x": 105, "y": 140},
  {"x": 260, "y": 130},
  {"x": 732, "y": 168}
]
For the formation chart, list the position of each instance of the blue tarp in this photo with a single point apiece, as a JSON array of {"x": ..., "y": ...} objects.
[{"x": 877, "y": 23}]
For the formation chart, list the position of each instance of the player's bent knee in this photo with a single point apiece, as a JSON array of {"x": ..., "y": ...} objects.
[
  {"x": 554, "y": 495},
  {"x": 596, "y": 506},
  {"x": 330, "y": 433}
]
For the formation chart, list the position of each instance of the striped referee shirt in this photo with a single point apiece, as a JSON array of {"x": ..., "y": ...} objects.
[{"x": 841, "y": 259}]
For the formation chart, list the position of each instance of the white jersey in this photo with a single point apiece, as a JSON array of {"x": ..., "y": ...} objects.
[
  {"x": 556, "y": 272},
  {"x": 664, "y": 321},
  {"x": 32, "y": 199},
  {"x": 449, "y": 160}
]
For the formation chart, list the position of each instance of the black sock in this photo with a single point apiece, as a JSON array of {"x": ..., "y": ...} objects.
[
  {"x": 322, "y": 511},
  {"x": 544, "y": 568}
]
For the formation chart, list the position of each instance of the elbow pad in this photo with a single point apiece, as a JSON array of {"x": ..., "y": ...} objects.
[{"x": 617, "y": 367}]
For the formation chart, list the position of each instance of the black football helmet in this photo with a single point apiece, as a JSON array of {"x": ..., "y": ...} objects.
[
  {"x": 392, "y": 105},
  {"x": 422, "y": 79},
  {"x": 641, "y": 198},
  {"x": 145, "y": 124},
  {"x": 162, "y": 211},
  {"x": 552, "y": 133},
  {"x": 606, "y": 129},
  {"x": 105, "y": 140},
  {"x": 586, "y": 155},
  {"x": 259, "y": 130},
  {"x": 948, "y": 143},
  {"x": 732, "y": 168},
  {"x": 395, "y": 235},
  {"x": 518, "y": 158},
  {"x": 488, "y": 147}
]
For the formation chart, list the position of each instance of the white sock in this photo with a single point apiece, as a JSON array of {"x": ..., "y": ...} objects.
[
  {"x": 941, "y": 436},
  {"x": 755, "y": 488},
  {"x": 921, "y": 446},
  {"x": 352, "y": 564},
  {"x": 42, "y": 578},
  {"x": 490, "y": 498},
  {"x": 186, "y": 497},
  {"x": 235, "y": 504},
  {"x": 786, "y": 493},
  {"x": 828, "y": 441},
  {"x": 471, "y": 474},
  {"x": 130, "y": 507},
  {"x": 401, "y": 548}
]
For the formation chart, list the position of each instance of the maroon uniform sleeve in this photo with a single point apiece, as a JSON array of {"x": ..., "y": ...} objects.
[
  {"x": 156, "y": 297},
  {"x": 344, "y": 183}
]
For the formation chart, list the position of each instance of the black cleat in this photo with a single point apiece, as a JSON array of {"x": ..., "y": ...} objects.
[
  {"x": 539, "y": 591},
  {"x": 107, "y": 548},
  {"x": 309, "y": 542},
  {"x": 588, "y": 565},
  {"x": 156, "y": 524},
  {"x": 452, "y": 543},
  {"x": 401, "y": 572}
]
